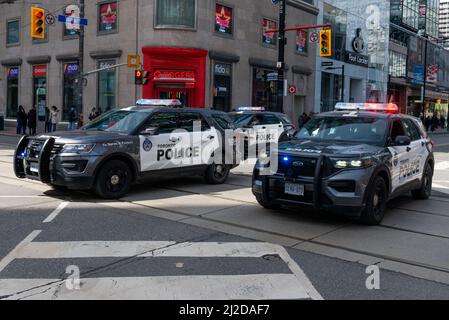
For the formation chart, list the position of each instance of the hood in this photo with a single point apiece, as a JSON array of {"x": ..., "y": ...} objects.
[
  {"x": 309, "y": 147},
  {"x": 82, "y": 136}
]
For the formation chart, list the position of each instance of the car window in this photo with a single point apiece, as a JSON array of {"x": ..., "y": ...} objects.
[
  {"x": 411, "y": 130},
  {"x": 397, "y": 130},
  {"x": 285, "y": 119},
  {"x": 187, "y": 119},
  {"x": 256, "y": 120},
  {"x": 271, "y": 119},
  {"x": 119, "y": 121},
  {"x": 165, "y": 121},
  {"x": 223, "y": 121}
]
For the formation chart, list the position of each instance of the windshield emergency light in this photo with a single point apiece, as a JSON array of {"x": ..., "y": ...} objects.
[
  {"x": 375, "y": 107},
  {"x": 158, "y": 103}
]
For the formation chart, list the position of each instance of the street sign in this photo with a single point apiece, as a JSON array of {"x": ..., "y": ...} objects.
[
  {"x": 50, "y": 19},
  {"x": 133, "y": 61},
  {"x": 73, "y": 21},
  {"x": 327, "y": 64},
  {"x": 292, "y": 89},
  {"x": 275, "y": 2},
  {"x": 314, "y": 37}
]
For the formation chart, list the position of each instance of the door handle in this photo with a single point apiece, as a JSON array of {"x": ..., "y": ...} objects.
[{"x": 175, "y": 139}]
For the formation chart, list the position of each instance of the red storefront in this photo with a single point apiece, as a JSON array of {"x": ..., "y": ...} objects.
[{"x": 176, "y": 73}]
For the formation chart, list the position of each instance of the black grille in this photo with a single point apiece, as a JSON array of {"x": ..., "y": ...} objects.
[
  {"x": 294, "y": 167},
  {"x": 35, "y": 148}
]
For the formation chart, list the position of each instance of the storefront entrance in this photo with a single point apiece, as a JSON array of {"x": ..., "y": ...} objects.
[{"x": 176, "y": 73}]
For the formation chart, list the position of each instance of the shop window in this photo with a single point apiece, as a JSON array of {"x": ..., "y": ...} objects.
[
  {"x": 12, "y": 32},
  {"x": 223, "y": 19},
  {"x": 222, "y": 86},
  {"x": 301, "y": 42},
  {"x": 265, "y": 88},
  {"x": 12, "y": 92},
  {"x": 40, "y": 90},
  {"x": 106, "y": 91},
  {"x": 269, "y": 38},
  {"x": 107, "y": 17},
  {"x": 176, "y": 14},
  {"x": 69, "y": 100}
]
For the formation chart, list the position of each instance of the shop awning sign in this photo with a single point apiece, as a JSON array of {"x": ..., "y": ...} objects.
[
  {"x": 174, "y": 76},
  {"x": 40, "y": 71},
  {"x": 13, "y": 73},
  {"x": 71, "y": 68}
]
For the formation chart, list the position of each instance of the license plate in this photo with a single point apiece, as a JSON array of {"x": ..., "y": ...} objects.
[
  {"x": 294, "y": 189},
  {"x": 34, "y": 167}
]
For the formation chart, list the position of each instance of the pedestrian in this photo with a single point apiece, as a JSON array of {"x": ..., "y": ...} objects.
[
  {"x": 21, "y": 121},
  {"x": 47, "y": 120},
  {"x": 442, "y": 121},
  {"x": 72, "y": 118},
  {"x": 93, "y": 114},
  {"x": 32, "y": 121},
  {"x": 302, "y": 120},
  {"x": 54, "y": 112},
  {"x": 80, "y": 121},
  {"x": 434, "y": 122}
]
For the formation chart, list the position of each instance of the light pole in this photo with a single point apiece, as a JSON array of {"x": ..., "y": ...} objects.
[
  {"x": 342, "y": 68},
  {"x": 281, "y": 55},
  {"x": 81, "y": 60}
]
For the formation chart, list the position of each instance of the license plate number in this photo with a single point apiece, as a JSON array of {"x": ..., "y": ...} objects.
[
  {"x": 34, "y": 167},
  {"x": 294, "y": 189}
]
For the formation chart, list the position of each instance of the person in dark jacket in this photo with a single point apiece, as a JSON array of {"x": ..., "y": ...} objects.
[
  {"x": 21, "y": 121},
  {"x": 47, "y": 120},
  {"x": 32, "y": 121},
  {"x": 73, "y": 118}
]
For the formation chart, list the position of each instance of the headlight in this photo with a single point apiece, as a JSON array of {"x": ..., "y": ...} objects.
[
  {"x": 78, "y": 148},
  {"x": 352, "y": 163}
]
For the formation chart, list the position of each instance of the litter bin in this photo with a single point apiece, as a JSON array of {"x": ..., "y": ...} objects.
[{"x": 2, "y": 122}]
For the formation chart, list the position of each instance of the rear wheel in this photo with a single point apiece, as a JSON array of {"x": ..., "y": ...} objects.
[
  {"x": 113, "y": 180},
  {"x": 376, "y": 203},
  {"x": 425, "y": 191},
  {"x": 217, "y": 173}
]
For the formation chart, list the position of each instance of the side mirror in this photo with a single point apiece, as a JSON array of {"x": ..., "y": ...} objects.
[
  {"x": 402, "y": 141},
  {"x": 153, "y": 131}
]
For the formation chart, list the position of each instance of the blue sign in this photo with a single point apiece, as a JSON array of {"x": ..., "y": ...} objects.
[
  {"x": 71, "y": 68},
  {"x": 418, "y": 74},
  {"x": 13, "y": 73},
  {"x": 274, "y": 2},
  {"x": 69, "y": 19}
]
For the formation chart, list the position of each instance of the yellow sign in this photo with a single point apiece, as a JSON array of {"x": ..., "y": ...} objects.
[{"x": 133, "y": 61}]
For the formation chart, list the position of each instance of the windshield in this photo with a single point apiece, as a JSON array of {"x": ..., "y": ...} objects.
[
  {"x": 361, "y": 130},
  {"x": 120, "y": 121},
  {"x": 241, "y": 118}
]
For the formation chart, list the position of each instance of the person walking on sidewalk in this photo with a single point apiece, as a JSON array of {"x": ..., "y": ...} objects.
[
  {"x": 21, "y": 121},
  {"x": 47, "y": 120},
  {"x": 73, "y": 118},
  {"x": 54, "y": 118},
  {"x": 32, "y": 121}
]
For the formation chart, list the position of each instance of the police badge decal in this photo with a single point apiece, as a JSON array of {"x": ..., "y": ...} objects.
[{"x": 147, "y": 145}]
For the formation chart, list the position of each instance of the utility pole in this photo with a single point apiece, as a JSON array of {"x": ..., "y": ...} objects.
[
  {"x": 81, "y": 60},
  {"x": 424, "y": 87},
  {"x": 281, "y": 55}
]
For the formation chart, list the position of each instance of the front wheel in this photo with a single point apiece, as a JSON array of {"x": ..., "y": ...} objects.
[
  {"x": 376, "y": 203},
  {"x": 113, "y": 180},
  {"x": 425, "y": 191},
  {"x": 217, "y": 173}
]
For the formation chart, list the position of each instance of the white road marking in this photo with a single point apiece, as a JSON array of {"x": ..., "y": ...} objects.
[
  {"x": 267, "y": 286},
  {"x": 212, "y": 287},
  {"x": 16, "y": 251},
  {"x": 55, "y": 212},
  {"x": 443, "y": 165},
  {"x": 17, "y": 197},
  {"x": 439, "y": 186}
]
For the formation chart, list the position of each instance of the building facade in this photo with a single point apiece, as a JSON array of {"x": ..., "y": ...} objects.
[
  {"x": 444, "y": 23},
  {"x": 357, "y": 71},
  {"x": 419, "y": 67},
  {"x": 206, "y": 53}
]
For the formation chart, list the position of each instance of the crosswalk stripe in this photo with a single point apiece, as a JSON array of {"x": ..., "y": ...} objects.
[
  {"x": 210, "y": 287},
  {"x": 55, "y": 212},
  {"x": 442, "y": 165}
]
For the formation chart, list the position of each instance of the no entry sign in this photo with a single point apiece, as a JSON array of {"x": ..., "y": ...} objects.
[{"x": 292, "y": 89}]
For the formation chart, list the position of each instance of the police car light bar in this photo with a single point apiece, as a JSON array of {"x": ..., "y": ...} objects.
[
  {"x": 251, "y": 109},
  {"x": 158, "y": 103},
  {"x": 374, "y": 107}
]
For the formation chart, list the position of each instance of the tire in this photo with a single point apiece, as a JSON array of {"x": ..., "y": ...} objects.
[
  {"x": 58, "y": 188},
  {"x": 113, "y": 180},
  {"x": 425, "y": 191},
  {"x": 217, "y": 173},
  {"x": 267, "y": 204},
  {"x": 376, "y": 203}
]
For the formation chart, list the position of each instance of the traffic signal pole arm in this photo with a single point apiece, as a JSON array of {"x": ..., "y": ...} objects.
[{"x": 316, "y": 26}]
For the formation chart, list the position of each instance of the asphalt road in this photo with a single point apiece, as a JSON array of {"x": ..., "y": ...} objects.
[{"x": 182, "y": 239}]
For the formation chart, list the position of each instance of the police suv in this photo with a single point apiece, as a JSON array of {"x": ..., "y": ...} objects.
[
  {"x": 259, "y": 126},
  {"x": 352, "y": 161},
  {"x": 155, "y": 138}
]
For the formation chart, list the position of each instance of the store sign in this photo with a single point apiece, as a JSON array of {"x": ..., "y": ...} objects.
[
  {"x": 108, "y": 16},
  {"x": 223, "y": 19},
  {"x": 39, "y": 71},
  {"x": 273, "y": 76},
  {"x": 71, "y": 69},
  {"x": 357, "y": 59},
  {"x": 106, "y": 64},
  {"x": 432, "y": 73},
  {"x": 174, "y": 75},
  {"x": 269, "y": 37},
  {"x": 301, "y": 41},
  {"x": 222, "y": 69},
  {"x": 13, "y": 73},
  {"x": 417, "y": 76}
]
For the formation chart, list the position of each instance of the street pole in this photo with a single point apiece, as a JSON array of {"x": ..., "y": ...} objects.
[
  {"x": 343, "y": 83},
  {"x": 281, "y": 55},
  {"x": 423, "y": 92},
  {"x": 81, "y": 60}
]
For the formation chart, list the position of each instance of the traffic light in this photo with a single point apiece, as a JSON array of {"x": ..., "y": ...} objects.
[
  {"x": 138, "y": 78},
  {"x": 326, "y": 43},
  {"x": 37, "y": 23}
]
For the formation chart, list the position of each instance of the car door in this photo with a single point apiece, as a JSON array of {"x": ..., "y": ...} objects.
[
  {"x": 400, "y": 155},
  {"x": 157, "y": 151},
  {"x": 418, "y": 151}
]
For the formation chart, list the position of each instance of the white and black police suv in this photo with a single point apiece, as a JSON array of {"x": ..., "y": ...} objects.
[
  {"x": 154, "y": 139},
  {"x": 351, "y": 161}
]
